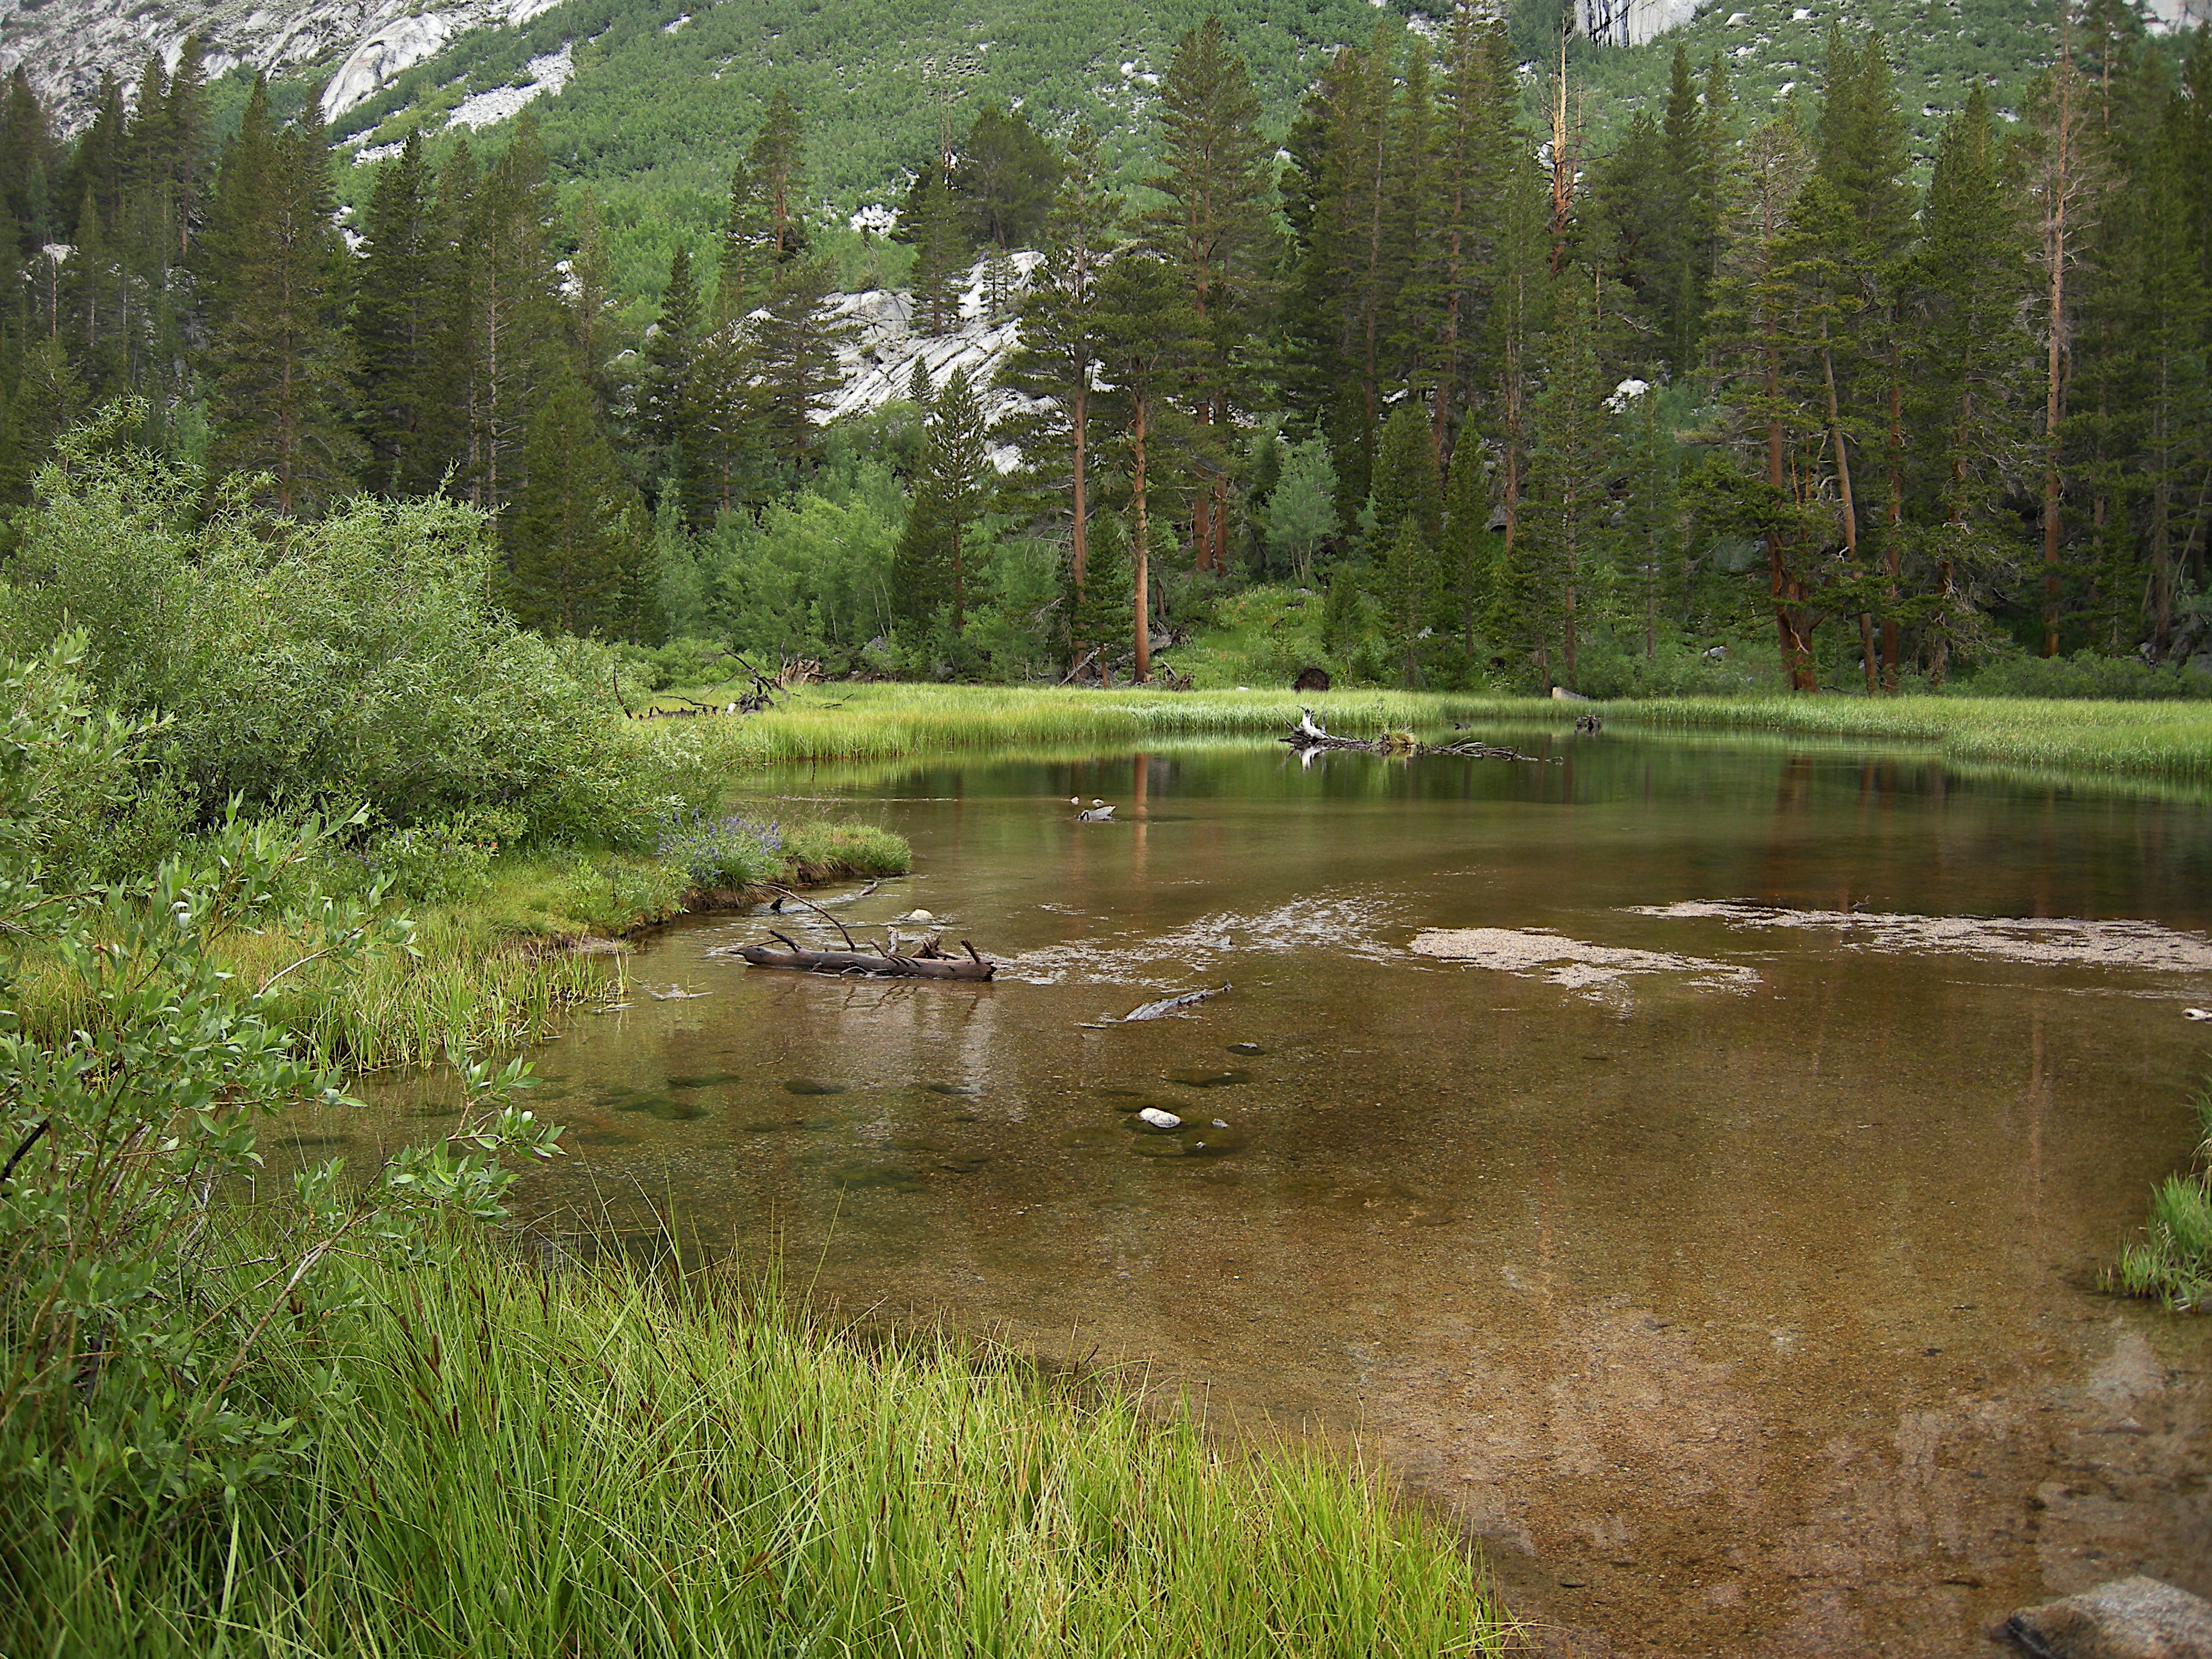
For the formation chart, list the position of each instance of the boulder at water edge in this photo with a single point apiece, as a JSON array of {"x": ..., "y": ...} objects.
[{"x": 2127, "y": 1619}]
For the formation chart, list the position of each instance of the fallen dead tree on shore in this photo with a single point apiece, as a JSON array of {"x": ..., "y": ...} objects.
[{"x": 1310, "y": 736}]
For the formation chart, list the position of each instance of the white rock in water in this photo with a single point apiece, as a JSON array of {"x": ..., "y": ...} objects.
[
  {"x": 1158, "y": 1119},
  {"x": 917, "y": 915}
]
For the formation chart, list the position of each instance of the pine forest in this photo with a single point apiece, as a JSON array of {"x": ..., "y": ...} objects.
[{"x": 1435, "y": 375}]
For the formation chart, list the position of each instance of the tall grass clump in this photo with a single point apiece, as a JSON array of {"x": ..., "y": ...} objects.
[
  {"x": 2172, "y": 1262},
  {"x": 602, "y": 1459}
]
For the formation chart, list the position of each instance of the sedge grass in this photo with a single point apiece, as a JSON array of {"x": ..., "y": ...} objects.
[
  {"x": 607, "y": 1462},
  {"x": 2172, "y": 1262}
]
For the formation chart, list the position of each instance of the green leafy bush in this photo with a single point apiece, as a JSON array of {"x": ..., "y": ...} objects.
[
  {"x": 447, "y": 862},
  {"x": 2085, "y": 675},
  {"x": 357, "y": 659},
  {"x": 126, "y": 1380}
]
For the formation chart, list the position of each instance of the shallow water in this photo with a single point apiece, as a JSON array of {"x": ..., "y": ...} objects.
[{"x": 1648, "y": 1154}]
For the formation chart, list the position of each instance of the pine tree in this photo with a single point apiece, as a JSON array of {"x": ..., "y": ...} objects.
[
  {"x": 776, "y": 167},
  {"x": 46, "y": 398},
  {"x": 1464, "y": 551},
  {"x": 1970, "y": 363},
  {"x": 577, "y": 524},
  {"x": 595, "y": 319},
  {"x": 1769, "y": 490},
  {"x": 1148, "y": 337},
  {"x": 28, "y": 163},
  {"x": 940, "y": 261},
  {"x": 398, "y": 341},
  {"x": 1005, "y": 179},
  {"x": 921, "y": 564},
  {"x": 514, "y": 306},
  {"x": 1409, "y": 591},
  {"x": 1102, "y": 609},
  {"x": 672, "y": 399},
  {"x": 186, "y": 119},
  {"x": 1522, "y": 282},
  {"x": 1477, "y": 148},
  {"x": 1407, "y": 483},
  {"x": 2062, "y": 169},
  {"x": 1864, "y": 161},
  {"x": 1215, "y": 224},
  {"x": 1570, "y": 480},
  {"x": 1649, "y": 550},
  {"x": 797, "y": 357},
  {"x": 278, "y": 363},
  {"x": 1057, "y": 359},
  {"x": 959, "y": 469}
]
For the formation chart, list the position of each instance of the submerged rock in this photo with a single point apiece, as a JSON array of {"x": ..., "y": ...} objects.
[
  {"x": 2127, "y": 1618},
  {"x": 810, "y": 1085},
  {"x": 1209, "y": 1080}
]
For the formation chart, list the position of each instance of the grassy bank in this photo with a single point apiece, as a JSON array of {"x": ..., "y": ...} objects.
[
  {"x": 491, "y": 968},
  {"x": 2172, "y": 1262},
  {"x": 604, "y": 1461},
  {"x": 2140, "y": 739},
  {"x": 887, "y": 721}
]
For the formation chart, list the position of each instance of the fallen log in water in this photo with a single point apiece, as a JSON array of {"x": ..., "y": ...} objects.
[
  {"x": 1308, "y": 735},
  {"x": 928, "y": 962},
  {"x": 860, "y": 962},
  {"x": 1487, "y": 751}
]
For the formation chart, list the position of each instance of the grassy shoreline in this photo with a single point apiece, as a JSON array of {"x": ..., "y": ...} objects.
[
  {"x": 839, "y": 722},
  {"x": 614, "y": 1460}
]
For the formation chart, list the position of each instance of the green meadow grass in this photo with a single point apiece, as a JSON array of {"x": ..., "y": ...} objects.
[{"x": 609, "y": 1460}]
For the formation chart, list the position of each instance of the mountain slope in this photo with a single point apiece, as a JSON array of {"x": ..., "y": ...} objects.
[{"x": 648, "y": 101}]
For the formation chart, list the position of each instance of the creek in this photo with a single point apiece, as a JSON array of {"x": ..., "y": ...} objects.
[{"x": 1687, "y": 1165}]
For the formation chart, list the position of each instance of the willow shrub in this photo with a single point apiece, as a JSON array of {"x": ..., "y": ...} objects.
[
  {"x": 361, "y": 658},
  {"x": 132, "y": 1380}
]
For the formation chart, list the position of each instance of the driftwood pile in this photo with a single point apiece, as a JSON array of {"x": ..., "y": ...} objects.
[{"x": 1309, "y": 735}]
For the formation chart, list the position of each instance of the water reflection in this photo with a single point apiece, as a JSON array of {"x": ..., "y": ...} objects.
[{"x": 1745, "y": 1309}]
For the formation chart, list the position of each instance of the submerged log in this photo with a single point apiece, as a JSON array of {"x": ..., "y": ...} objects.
[{"x": 1158, "y": 1010}]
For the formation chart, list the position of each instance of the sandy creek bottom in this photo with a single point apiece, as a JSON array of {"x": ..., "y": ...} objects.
[{"x": 1650, "y": 1155}]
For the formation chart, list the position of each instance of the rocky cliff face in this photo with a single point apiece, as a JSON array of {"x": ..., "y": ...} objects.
[
  {"x": 878, "y": 361},
  {"x": 1631, "y": 22},
  {"x": 66, "y": 45}
]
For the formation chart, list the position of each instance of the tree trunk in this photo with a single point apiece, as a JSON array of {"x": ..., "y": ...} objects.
[{"x": 1140, "y": 544}]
